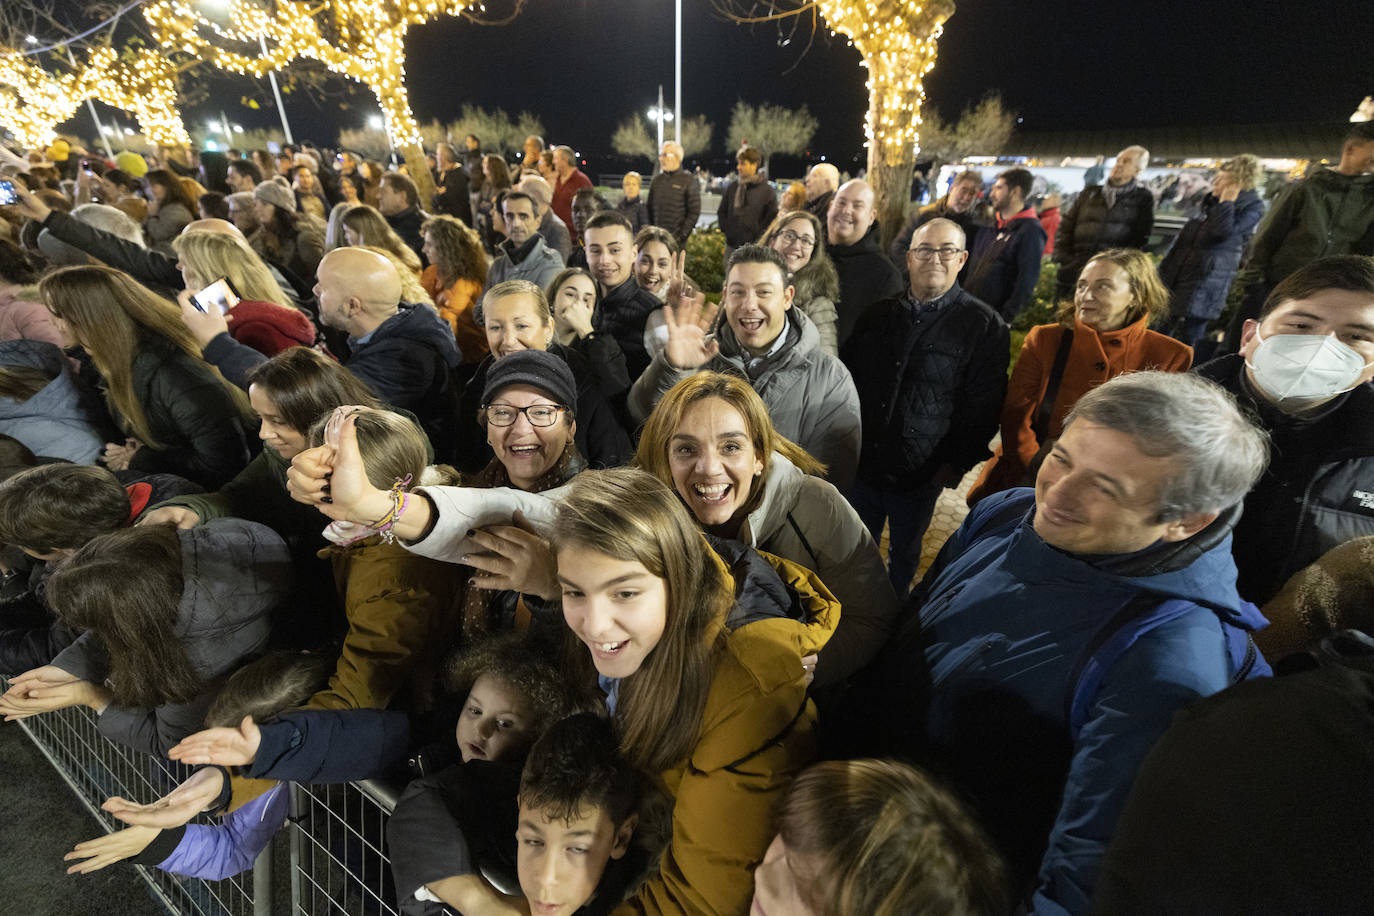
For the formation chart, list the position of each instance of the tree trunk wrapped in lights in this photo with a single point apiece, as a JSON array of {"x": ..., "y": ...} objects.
[
  {"x": 897, "y": 40},
  {"x": 361, "y": 39}
]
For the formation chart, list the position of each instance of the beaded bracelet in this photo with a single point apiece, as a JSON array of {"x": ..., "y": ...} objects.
[{"x": 400, "y": 498}]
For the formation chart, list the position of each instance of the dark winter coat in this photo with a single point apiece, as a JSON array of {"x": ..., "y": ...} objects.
[
  {"x": 235, "y": 573},
  {"x": 1206, "y": 254},
  {"x": 931, "y": 383},
  {"x": 407, "y": 362},
  {"x": 866, "y": 277},
  {"x": 451, "y": 196},
  {"x": 407, "y": 225},
  {"x": 600, "y": 438},
  {"x": 201, "y": 432},
  {"x": 1316, "y": 493},
  {"x": 1091, "y": 226},
  {"x": 622, "y": 313},
  {"x": 1002, "y": 626},
  {"x": 1004, "y": 265},
  {"x": 636, "y": 211},
  {"x": 743, "y": 223},
  {"x": 1326, "y": 214},
  {"x": 675, "y": 203}
]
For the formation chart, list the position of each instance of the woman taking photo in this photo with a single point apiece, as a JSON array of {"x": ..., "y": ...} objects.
[
  {"x": 454, "y": 279},
  {"x": 1103, "y": 333},
  {"x": 518, "y": 318},
  {"x": 797, "y": 236},
  {"x": 573, "y": 297},
  {"x": 179, "y": 414},
  {"x": 695, "y": 650},
  {"x": 1206, "y": 254},
  {"x": 264, "y": 318},
  {"x": 170, "y": 209},
  {"x": 710, "y": 439}
]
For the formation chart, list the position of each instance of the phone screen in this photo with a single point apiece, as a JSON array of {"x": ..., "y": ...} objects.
[
  {"x": 7, "y": 195},
  {"x": 220, "y": 294}
]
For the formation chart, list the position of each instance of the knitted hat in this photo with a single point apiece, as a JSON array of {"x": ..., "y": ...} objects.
[
  {"x": 132, "y": 163},
  {"x": 276, "y": 192},
  {"x": 536, "y": 368},
  {"x": 59, "y": 150}
]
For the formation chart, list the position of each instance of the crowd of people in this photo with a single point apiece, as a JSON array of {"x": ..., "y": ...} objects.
[{"x": 306, "y": 479}]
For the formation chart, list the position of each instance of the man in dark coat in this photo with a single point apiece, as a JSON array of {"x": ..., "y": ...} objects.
[
  {"x": 674, "y": 197},
  {"x": 1310, "y": 392},
  {"x": 866, "y": 276},
  {"x": 399, "y": 201},
  {"x": 821, "y": 184},
  {"x": 451, "y": 185},
  {"x": 1118, "y": 214},
  {"x": 749, "y": 203},
  {"x": 931, "y": 371},
  {"x": 1004, "y": 264},
  {"x": 624, "y": 307},
  {"x": 403, "y": 352},
  {"x": 959, "y": 204}
]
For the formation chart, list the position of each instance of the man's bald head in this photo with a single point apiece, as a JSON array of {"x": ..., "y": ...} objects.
[
  {"x": 357, "y": 289},
  {"x": 822, "y": 178},
  {"x": 213, "y": 225},
  {"x": 851, "y": 213}
]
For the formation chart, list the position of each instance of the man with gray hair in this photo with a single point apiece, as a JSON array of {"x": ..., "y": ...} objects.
[
  {"x": 1118, "y": 214},
  {"x": 674, "y": 197},
  {"x": 821, "y": 184},
  {"x": 1063, "y": 626},
  {"x": 550, "y": 226}
]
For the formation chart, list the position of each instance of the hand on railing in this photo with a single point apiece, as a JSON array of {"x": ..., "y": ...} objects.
[
  {"x": 227, "y": 747},
  {"x": 175, "y": 808},
  {"x": 47, "y": 689}
]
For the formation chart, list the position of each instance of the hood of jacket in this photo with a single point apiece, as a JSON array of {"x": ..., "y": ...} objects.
[
  {"x": 235, "y": 572},
  {"x": 769, "y": 588},
  {"x": 287, "y": 322},
  {"x": 781, "y": 489},
  {"x": 1334, "y": 180},
  {"x": 62, "y": 400},
  {"x": 421, "y": 324}
]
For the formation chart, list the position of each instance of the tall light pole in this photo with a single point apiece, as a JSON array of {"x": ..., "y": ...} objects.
[
  {"x": 659, "y": 114},
  {"x": 677, "y": 78}
]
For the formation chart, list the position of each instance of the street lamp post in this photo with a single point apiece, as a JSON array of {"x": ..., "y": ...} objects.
[
  {"x": 677, "y": 77},
  {"x": 659, "y": 114}
]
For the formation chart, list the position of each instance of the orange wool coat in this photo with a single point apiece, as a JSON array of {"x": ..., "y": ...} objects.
[
  {"x": 1094, "y": 357},
  {"x": 457, "y": 304}
]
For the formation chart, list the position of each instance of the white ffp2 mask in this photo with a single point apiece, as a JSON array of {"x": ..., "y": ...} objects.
[{"x": 1304, "y": 366}]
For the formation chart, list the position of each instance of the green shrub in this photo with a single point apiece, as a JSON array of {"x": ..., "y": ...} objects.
[
  {"x": 706, "y": 260},
  {"x": 1042, "y": 307}
]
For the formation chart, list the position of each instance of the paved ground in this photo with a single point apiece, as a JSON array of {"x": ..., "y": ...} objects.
[{"x": 40, "y": 821}]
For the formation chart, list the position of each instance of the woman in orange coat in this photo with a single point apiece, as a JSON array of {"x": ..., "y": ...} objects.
[
  {"x": 454, "y": 278},
  {"x": 1103, "y": 333}
]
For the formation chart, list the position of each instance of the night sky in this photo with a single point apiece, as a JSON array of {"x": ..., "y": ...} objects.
[{"x": 583, "y": 65}]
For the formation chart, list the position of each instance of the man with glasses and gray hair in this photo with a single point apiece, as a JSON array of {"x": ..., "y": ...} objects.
[
  {"x": 1062, "y": 627},
  {"x": 930, "y": 367}
]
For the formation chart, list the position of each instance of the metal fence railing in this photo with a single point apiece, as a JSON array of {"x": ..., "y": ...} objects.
[
  {"x": 96, "y": 768},
  {"x": 336, "y": 833}
]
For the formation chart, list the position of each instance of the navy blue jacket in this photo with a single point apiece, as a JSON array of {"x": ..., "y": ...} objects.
[
  {"x": 407, "y": 362},
  {"x": 622, "y": 313},
  {"x": 1206, "y": 254},
  {"x": 1003, "y": 621},
  {"x": 332, "y": 745},
  {"x": 1005, "y": 264}
]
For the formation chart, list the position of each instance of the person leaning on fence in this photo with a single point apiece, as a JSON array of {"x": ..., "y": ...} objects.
[{"x": 1115, "y": 575}]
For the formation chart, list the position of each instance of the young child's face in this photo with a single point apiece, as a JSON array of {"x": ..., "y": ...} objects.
[
  {"x": 495, "y": 721},
  {"x": 778, "y": 883},
  {"x": 560, "y": 863}
]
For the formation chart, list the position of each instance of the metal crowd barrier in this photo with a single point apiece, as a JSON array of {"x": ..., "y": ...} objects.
[{"x": 336, "y": 834}]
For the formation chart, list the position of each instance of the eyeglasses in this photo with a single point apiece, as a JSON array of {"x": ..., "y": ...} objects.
[
  {"x": 925, "y": 252},
  {"x": 537, "y": 414},
  {"x": 788, "y": 237}
]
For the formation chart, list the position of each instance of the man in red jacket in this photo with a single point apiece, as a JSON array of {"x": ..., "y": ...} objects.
[{"x": 569, "y": 180}]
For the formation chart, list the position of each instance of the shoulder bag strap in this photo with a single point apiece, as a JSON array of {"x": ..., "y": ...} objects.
[{"x": 1041, "y": 424}]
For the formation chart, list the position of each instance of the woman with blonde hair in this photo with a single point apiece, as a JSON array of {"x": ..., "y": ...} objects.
[
  {"x": 1102, "y": 333},
  {"x": 455, "y": 276},
  {"x": 263, "y": 319},
  {"x": 1206, "y": 254},
  {"x": 179, "y": 414},
  {"x": 710, "y": 439},
  {"x": 365, "y": 226}
]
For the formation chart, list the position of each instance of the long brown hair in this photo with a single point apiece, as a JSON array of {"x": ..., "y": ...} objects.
[
  {"x": 134, "y": 615},
  {"x": 374, "y": 230},
  {"x": 176, "y": 191},
  {"x": 634, "y": 517},
  {"x": 817, "y": 277},
  {"x": 109, "y": 313},
  {"x": 304, "y": 385},
  {"x": 457, "y": 249},
  {"x": 662, "y": 424}
]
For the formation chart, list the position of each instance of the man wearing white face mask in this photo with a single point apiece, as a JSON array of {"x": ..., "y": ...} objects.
[{"x": 1303, "y": 369}]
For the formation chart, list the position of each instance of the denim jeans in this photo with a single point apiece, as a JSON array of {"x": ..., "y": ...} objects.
[{"x": 907, "y": 513}]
